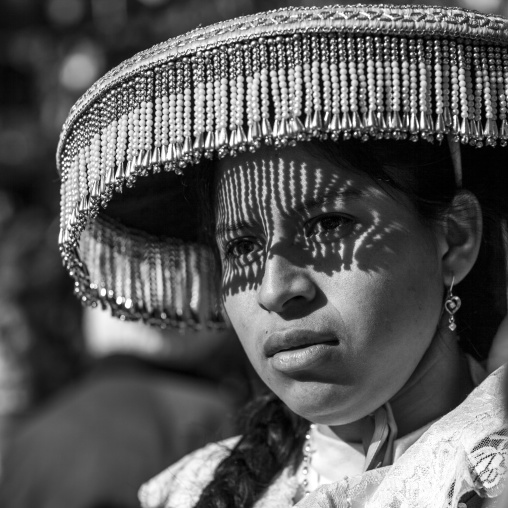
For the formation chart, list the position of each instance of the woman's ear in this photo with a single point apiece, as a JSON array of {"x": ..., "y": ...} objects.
[{"x": 462, "y": 237}]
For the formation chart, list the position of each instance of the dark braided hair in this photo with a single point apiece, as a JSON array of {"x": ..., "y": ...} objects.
[{"x": 272, "y": 435}]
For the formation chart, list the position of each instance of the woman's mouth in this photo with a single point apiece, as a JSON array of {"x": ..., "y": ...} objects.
[{"x": 294, "y": 350}]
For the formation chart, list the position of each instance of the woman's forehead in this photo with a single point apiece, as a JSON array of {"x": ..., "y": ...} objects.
[{"x": 286, "y": 177}]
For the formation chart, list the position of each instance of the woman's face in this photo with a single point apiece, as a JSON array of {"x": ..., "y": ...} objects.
[{"x": 333, "y": 286}]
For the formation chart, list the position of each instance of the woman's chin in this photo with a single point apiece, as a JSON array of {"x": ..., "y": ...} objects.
[{"x": 332, "y": 405}]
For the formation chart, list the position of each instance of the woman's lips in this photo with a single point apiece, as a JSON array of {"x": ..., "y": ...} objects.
[{"x": 294, "y": 350}]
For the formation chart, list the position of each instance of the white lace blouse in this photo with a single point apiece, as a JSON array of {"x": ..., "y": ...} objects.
[{"x": 464, "y": 451}]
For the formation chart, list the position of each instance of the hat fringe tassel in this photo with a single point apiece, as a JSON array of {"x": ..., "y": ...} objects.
[{"x": 275, "y": 90}]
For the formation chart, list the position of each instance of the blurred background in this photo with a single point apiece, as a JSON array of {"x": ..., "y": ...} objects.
[{"x": 51, "y": 51}]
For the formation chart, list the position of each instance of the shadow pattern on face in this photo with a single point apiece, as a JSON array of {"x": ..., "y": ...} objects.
[{"x": 270, "y": 198}]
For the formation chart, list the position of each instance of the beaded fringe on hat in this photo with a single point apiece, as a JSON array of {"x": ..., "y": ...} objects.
[
  {"x": 129, "y": 267},
  {"x": 276, "y": 78}
]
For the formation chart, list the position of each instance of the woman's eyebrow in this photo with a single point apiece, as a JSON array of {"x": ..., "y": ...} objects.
[
  {"x": 232, "y": 227},
  {"x": 307, "y": 205},
  {"x": 316, "y": 202}
]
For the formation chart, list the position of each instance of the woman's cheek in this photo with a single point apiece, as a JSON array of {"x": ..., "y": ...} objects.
[{"x": 240, "y": 313}]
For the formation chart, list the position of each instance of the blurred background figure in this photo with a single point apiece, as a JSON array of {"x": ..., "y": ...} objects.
[
  {"x": 151, "y": 397},
  {"x": 40, "y": 337},
  {"x": 14, "y": 393}
]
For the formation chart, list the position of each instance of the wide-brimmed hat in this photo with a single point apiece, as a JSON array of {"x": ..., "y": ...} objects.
[{"x": 129, "y": 232}]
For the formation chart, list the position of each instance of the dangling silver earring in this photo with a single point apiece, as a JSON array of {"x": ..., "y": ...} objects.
[{"x": 452, "y": 305}]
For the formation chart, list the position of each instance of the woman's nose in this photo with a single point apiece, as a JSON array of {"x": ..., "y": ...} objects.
[{"x": 284, "y": 286}]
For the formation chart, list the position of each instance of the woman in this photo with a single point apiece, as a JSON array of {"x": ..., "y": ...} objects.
[{"x": 341, "y": 260}]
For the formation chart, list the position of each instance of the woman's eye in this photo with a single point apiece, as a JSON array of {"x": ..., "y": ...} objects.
[
  {"x": 333, "y": 226},
  {"x": 241, "y": 248}
]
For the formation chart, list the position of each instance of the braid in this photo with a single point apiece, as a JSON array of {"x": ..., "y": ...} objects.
[{"x": 273, "y": 438}]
